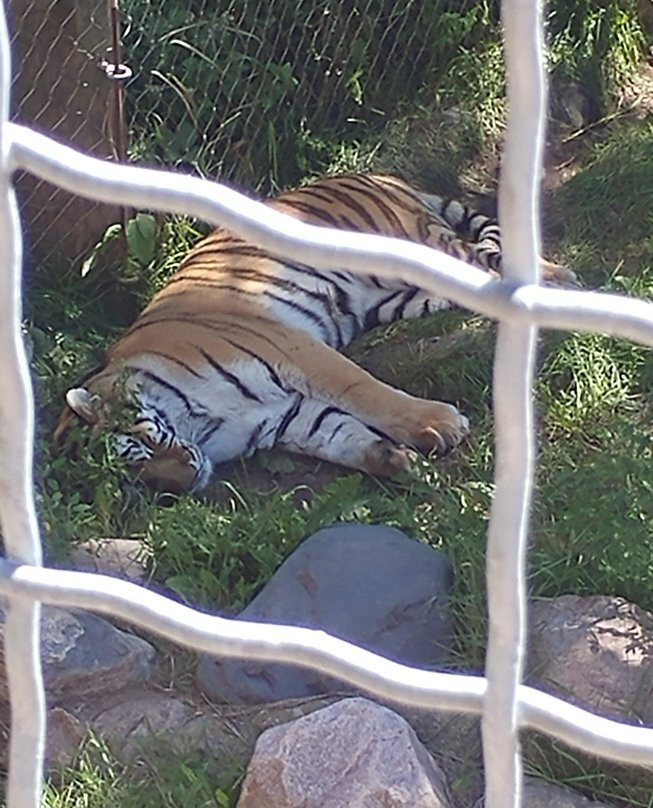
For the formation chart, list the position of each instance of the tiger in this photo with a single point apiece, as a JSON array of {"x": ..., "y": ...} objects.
[{"x": 240, "y": 350}]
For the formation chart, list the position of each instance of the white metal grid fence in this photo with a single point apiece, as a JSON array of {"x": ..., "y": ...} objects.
[{"x": 520, "y": 305}]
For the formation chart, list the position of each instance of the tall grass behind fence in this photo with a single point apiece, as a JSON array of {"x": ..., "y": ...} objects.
[
  {"x": 255, "y": 92},
  {"x": 262, "y": 95}
]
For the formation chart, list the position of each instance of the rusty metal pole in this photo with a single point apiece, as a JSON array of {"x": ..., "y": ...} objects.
[{"x": 118, "y": 73}]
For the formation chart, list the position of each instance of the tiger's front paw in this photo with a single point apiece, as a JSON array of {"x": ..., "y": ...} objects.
[{"x": 442, "y": 430}]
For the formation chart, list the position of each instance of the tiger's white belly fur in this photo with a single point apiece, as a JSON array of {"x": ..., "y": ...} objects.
[{"x": 316, "y": 308}]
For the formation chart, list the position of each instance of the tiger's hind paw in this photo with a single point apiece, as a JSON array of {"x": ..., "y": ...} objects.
[
  {"x": 385, "y": 459},
  {"x": 558, "y": 275}
]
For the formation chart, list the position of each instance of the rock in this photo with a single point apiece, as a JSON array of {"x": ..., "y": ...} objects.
[
  {"x": 123, "y": 558},
  {"x": 370, "y": 585},
  {"x": 540, "y": 794},
  {"x": 596, "y": 652},
  {"x": 353, "y": 753},
  {"x": 65, "y": 735},
  {"x": 144, "y": 717},
  {"x": 84, "y": 655}
]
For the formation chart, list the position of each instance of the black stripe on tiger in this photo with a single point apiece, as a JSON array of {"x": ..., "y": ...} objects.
[
  {"x": 166, "y": 318},
  {"x": 334, "y": 433},
  {"x": 372, "y": 315},
  {"x": 326, "y": 412},
  {"x": 253, "y": 439},
  {"x": 400, "y": 308},
  {"x": 289, "y": 416},
  {"x": 312, "y": 316},
  {"x": 468, "y": 223},
  {"x": 295, "y": 266},
  {"x": 228, "y": 376},
  {"x": 391, "y": 217},
  {"x": 315, "y": 212},
  {"x": 405, "y": 199},
  {"x": 210, "y": 431},
  {"x": 349, "y": 203},
  {"x": 153, "y": 377},
  {"x": 274, "y": 376},
  {"x": 176, "y": 361},
  {"x": 209, "y": 251},
  {"x": 324, "y": 300},
  {"x": 216, "y": 325},
  {"x": 343, "y": 299},
  {"x": 481, "y": 228}
]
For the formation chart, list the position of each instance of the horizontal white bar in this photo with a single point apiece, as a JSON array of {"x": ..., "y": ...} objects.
[
  {"x": 358, "y": 252},
  {"x": 316, "y": 649}
]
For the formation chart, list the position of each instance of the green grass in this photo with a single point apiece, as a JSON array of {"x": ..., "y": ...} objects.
[
  {"x": 98, "y": 779},
  {"x": 615, "y": 784},
  {"x": 593, "y": 515}
]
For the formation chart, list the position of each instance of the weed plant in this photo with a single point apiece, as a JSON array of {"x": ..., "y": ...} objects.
[{"x": 157, "y": 781}]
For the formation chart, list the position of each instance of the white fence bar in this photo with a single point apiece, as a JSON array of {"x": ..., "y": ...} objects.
[
  {"x": 514, "y": 364},
  {"x": 316, "y": 649},
  {"x": 17, "y": 514},
  {"x": 358, "y": 252}
]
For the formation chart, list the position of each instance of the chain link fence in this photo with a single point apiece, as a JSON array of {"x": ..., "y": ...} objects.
[
  {"x": 60, "y": 88},
  {"x": 253, "y": 93},
  {"x": 260, "y": 95}
]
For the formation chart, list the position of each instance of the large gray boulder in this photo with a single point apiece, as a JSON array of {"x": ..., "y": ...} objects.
[
  {"x": 353, "y": 753},
  {"x": 371, "y": 585},
  {"x": 84, "y": 655}
]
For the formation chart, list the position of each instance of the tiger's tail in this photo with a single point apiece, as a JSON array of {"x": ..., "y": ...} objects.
[
  {"x": 482, "y": 233},
  {"x": 477, "y": 230}
]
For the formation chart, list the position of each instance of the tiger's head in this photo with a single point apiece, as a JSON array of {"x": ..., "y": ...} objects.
[{"x": 139, "y": 436}]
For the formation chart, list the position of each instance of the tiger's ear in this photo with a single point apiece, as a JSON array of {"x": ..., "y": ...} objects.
[{"x": 88, "y": 407}]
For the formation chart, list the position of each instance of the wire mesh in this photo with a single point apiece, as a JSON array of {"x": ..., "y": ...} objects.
[
  {"x": 251, "y": 92},
  {"x": 260, "y": 95},
  {"x": 516, "y": 302},
  {"x": 60, "y": 88}
]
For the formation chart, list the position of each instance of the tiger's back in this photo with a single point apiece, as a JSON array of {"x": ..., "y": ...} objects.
[
  {"x": 239, "y": 350},
  {"x": 224, "y": 272}
]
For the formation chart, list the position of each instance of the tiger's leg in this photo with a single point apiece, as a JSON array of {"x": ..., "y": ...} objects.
[
  {"x": 328, "y": 376},
  {"x": 318, "y": 429}
]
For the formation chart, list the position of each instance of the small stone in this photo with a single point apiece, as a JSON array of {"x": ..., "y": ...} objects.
[
  {"x": 353, "y": 753},
  {"x": 371, "y": 585},
  {"x": 595, "y": 651},
  {"x": 123, "y": 558},
  {"x": 540, "y": 794},
  {"x": 65, "y": 734}
]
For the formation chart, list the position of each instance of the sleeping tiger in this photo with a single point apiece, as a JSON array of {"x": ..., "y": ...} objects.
[{"x": 239, "y": 351}]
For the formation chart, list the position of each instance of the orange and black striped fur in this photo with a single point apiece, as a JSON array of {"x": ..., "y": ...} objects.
[{"x": 239, "y": 351}]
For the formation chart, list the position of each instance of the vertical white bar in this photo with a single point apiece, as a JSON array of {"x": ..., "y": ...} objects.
[
  {"x": 513, "y": 380},
  {"x": 17, "y": 515}
]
